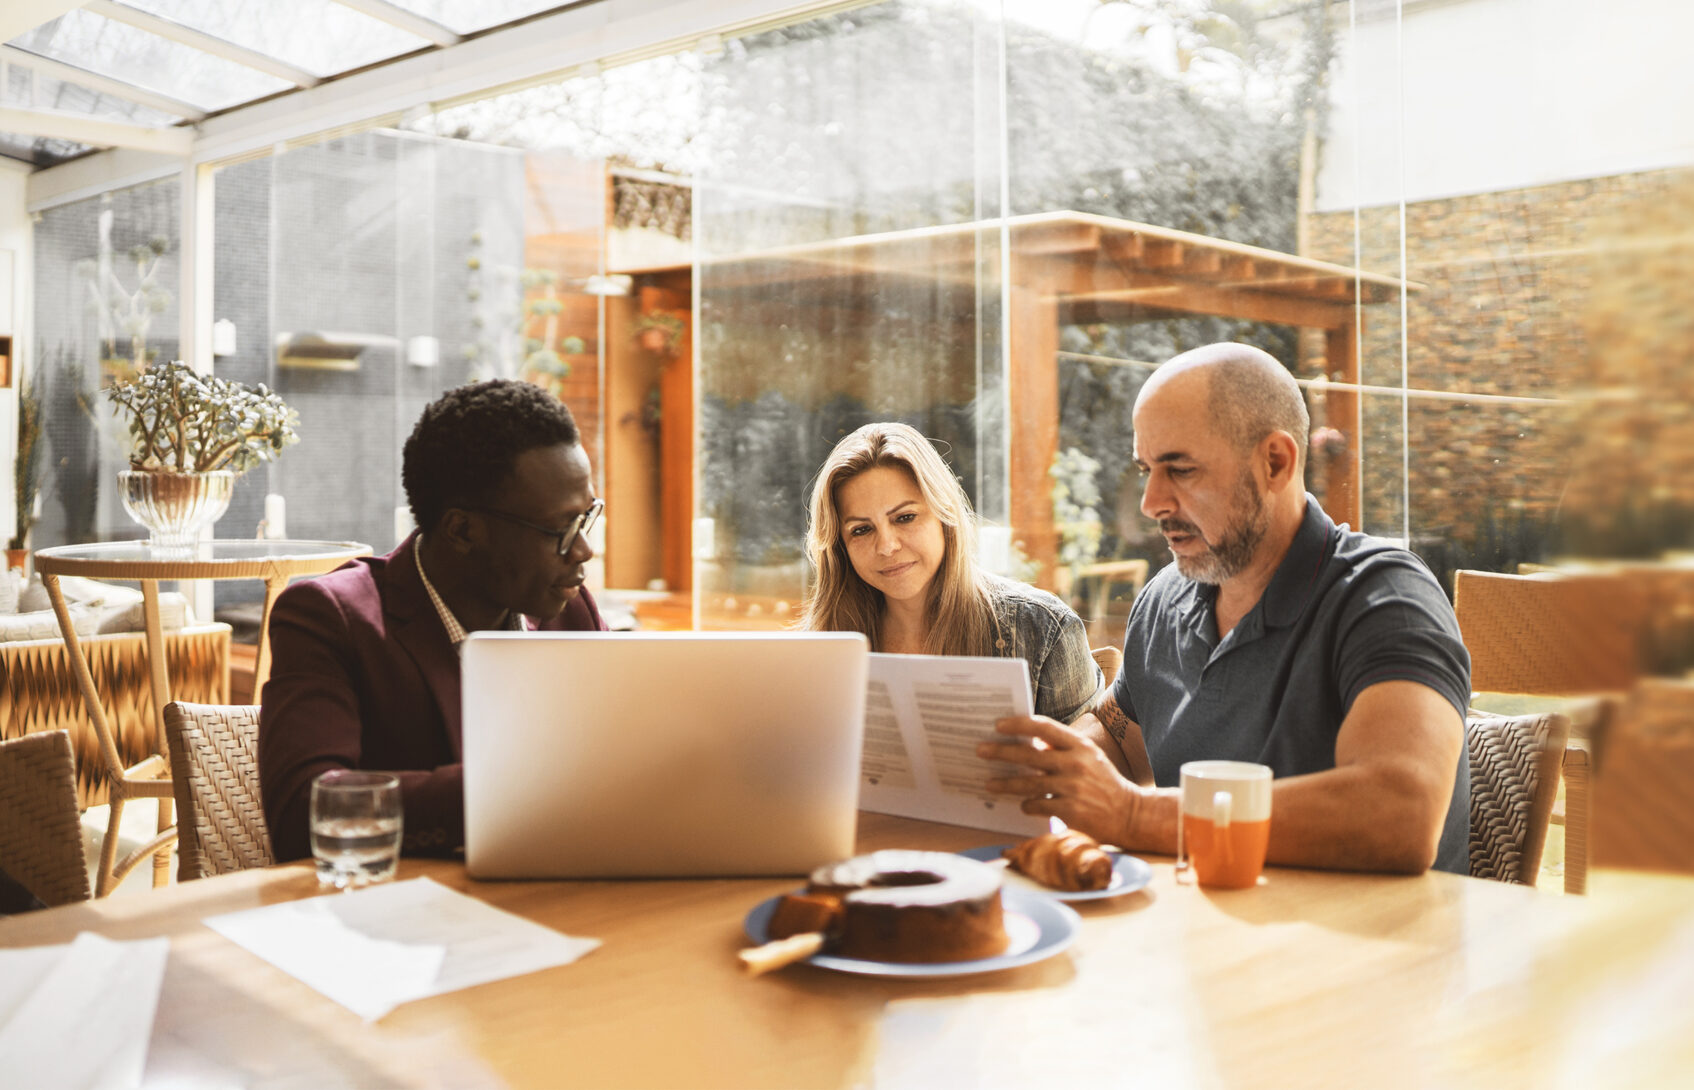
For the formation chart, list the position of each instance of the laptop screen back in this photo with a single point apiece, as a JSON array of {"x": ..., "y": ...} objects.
[{"x": 660, "y": 754}]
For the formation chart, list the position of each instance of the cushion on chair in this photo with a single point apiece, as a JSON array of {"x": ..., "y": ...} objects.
[
  {"x": 174, "y": 614},
  {"x": 1514, "y": 763},
  {"x": 11, "y": 582},
  {"x": 77, "y": 591},
  {"x": 43, "y": 624}
]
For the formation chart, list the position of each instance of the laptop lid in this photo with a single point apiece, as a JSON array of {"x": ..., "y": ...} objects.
[{"x": 665, "y": 754}]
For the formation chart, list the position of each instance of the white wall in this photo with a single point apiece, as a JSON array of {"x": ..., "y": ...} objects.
[
  {"x": 17, "y": 318},
  {"x": 1505, "y": 94}
]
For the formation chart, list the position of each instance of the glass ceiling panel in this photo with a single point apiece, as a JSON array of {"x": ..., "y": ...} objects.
[
  {"x": 320, "y": 36},
  {"x": 42, "y": 151},
  {"x": 54, "y": 94},
  {"x": 469, "y": 16},
  {"x": 147, "y": 60}
]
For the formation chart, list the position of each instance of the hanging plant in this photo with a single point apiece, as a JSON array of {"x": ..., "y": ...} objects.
[{"x": 659, "y": 332}]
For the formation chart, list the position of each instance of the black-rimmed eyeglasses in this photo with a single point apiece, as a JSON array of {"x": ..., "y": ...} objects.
[{"x": 566, "y": 537}]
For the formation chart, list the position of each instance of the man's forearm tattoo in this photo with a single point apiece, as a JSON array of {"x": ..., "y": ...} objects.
[{"x": 1114, "y": 720}]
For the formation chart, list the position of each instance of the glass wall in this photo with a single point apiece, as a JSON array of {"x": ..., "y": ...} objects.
[
  {"x": 106, "y": 277},
  {"x": 989, "y": 220},
  {"x": 848, "y": 271}
]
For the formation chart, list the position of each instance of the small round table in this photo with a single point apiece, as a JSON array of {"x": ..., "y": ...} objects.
[{"x": 276, "y": 562}]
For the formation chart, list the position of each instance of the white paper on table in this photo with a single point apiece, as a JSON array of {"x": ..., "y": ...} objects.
[
  {"x": 924, "y": 716},
  {"x": 378, "y": 947},
  {"x": 79, "y": 1015}
]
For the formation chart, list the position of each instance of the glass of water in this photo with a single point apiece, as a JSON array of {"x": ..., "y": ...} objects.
[{"x": 355, "y": 827}]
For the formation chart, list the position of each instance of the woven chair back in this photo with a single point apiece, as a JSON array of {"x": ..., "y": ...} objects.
[
  {"x": 215, "y": 767},
  {"x": 1514, "y": 776},
  {"x": 1550, "y": 634},
  {"x": 40, "y": 832},
  {"x": 1644, "y": 781},
  {"x": 1110, "y": 661}
]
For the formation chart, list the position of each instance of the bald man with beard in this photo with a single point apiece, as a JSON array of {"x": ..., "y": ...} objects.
[{"x": 1276, "y": 637}]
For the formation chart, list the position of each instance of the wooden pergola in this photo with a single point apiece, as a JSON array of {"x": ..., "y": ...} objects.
[{"x": 1066, "y": 268}]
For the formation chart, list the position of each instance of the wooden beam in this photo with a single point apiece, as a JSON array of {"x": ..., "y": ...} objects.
[
  {"x": 1203, "y": 262},
  {"x": 1057, "y": 238},
  {"x": 1162, "y": 253},
  {"x": 1124, "y": 249},
  {"x": 1343, "y": 500},
  {"x": 1033, "y": 395},
  {"x": 1191, "y": 298},
  {"x": 676, "y": 435}
]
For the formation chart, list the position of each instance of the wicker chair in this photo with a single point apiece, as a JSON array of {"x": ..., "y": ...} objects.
[
  {"x": 1514, "y": 769},
  {"x": 1644, "y": 787},
  {"x": 1109, "y": 660},
  {"x": 1551, "y": 634},
  {"x": 39, "y": 692},
  {"x": 40, "y": 837},
  {"x": 215, "y": 768}
]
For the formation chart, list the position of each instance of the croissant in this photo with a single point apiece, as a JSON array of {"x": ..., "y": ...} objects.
[{"x": 1069, "y": 861}]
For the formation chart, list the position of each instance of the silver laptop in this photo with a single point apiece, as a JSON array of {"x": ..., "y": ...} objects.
[{"x": 660, "y": 755}]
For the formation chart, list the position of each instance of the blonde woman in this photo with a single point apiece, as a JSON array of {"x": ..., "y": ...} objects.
[{"x": 892, "y": 542}]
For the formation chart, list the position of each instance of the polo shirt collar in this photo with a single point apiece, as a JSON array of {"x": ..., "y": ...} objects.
[{"x": 1297, "y": 576}]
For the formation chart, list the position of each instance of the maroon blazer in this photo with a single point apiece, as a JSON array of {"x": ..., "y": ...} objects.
[{"x": 363, "y": 676}]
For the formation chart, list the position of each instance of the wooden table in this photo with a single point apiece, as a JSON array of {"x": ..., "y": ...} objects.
[
  {"x": 274, "y": 561},
  {"x": 1313, "y": 979}
]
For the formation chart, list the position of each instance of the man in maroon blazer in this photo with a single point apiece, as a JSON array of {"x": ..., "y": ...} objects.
[{"x": 365, "y": 660}]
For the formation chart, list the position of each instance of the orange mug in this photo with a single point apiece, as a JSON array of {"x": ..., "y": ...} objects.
[{"x": 1225, "y": 826}]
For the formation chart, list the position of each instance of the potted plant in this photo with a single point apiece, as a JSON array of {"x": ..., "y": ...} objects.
[
  {"x": 659, "y": 332},
  {"x": 193, "y": 435}
]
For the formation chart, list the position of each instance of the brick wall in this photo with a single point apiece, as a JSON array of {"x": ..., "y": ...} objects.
[{"x": 1568, "y": 296}]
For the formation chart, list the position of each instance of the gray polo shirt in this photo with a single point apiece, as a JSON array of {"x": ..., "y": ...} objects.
[{"x": 1343, "y": 612}]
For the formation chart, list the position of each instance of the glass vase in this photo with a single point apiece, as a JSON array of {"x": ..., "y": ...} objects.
[{"x": 175, "y": 506}]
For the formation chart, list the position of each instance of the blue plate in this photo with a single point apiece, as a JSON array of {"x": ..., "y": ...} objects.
[
  {"x": 1039, "y": 927},
  {"x": 1128, "y": 875}
]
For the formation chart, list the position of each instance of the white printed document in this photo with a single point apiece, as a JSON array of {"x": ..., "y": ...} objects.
[
  {"x": 924, "y": 717},
  {"x": 79, "y": 1015},
  {"x": 378, "y": 947}
]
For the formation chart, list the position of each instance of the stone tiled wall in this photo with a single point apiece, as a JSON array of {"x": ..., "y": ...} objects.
[{"x": 1565, "y": 296}]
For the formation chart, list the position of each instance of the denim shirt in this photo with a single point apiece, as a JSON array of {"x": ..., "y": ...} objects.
[{"x": 1040, "y": 629}]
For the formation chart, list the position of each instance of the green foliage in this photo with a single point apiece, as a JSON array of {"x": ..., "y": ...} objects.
[
  {"x": 183, "y": 422},
  {"x": 1076, "y": 506},
  {"x": 507, "y": 304}
]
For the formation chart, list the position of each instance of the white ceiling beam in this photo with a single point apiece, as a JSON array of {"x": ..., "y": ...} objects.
[
  {"x": 590, "y": 32},
  {"x": 106, "y": 85},
  {"x": 409, "y": 21},
  {"x": 594, "y": 32},
  {"x": 101, "y": 134},
  {"x": 206, "y": 43},
  {"x": 18, "y": 16}
]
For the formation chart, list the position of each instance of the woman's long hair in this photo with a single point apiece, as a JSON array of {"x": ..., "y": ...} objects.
[{"x": 959, "y": 612}]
